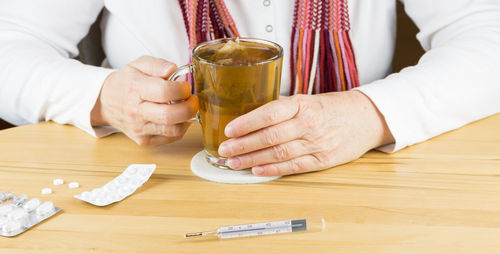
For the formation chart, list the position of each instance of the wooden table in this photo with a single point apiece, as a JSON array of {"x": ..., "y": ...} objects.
[{"x": 441, "y": 196}]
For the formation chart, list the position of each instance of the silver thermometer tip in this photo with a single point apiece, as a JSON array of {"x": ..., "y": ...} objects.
[{"x": 197, "y": 234}]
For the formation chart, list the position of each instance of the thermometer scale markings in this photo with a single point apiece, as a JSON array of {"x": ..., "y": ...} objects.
[
  {"x": 253, "y": 229},
  {"x": 269, "y": 228}
]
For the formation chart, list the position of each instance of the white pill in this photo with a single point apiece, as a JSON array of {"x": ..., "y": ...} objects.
[
  {"x": 143, "y": 178},
  {"x": 3, "y": 196},
  {"x": 114, "y": 184},
  {"x": 74, "y": 185},
  {"x": 45, "y": 208},
  {"x": 58, "y": 181},
  {"x": 135, "y": 182},
  {"x": 11, "y": 226},
  {"x": 17, "y": 214},
  {"x": 122, "y": 180},
  {"x": 131, "y": 170},
  {"x": 3, "y": 220},
  {"x": 5, "y": 209},
  {"x": 98, "y": 192},
  {"x": 46, "y": 191},
  {"x": 89, "y": 198},
  {"x": 144, "y": 171},
  {"x": 122, "y": 192},
  {"x": 32, "y": 204},
  {"x": 86, "y": 195},
  {"x": 101, "y": 201},
  {"x": 113, "y": 197},
  {"x": 108, "y": 187}
]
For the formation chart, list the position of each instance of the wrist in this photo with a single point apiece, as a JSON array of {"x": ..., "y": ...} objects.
[
  {"x": 374, "y": 120},
  {"x": 97, "y": 116}
]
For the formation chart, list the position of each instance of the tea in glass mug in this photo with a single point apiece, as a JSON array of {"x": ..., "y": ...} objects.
[{"x": 232, "y": 76}]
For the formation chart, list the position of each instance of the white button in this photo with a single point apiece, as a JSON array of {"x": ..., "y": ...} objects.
[
  {"x": 267, "y": 2},
  {"x": 269, "y": 28}
]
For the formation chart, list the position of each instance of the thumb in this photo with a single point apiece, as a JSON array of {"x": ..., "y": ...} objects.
[{"x": 153, "y": 66}]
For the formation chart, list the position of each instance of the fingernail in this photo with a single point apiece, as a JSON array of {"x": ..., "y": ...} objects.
[
  {"x": 224, "y": 150},
  {"x": 166, "y": 68},
  {"x": 258, "y": 171},
  {"x": 234, "y": 163},
  {"x": 229, "y": 130}
]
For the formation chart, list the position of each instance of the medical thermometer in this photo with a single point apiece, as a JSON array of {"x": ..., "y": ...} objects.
[{"x": 263, "y": 228}]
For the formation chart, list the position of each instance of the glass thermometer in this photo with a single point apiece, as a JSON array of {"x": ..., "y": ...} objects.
[{"x": 263, "y": 228}]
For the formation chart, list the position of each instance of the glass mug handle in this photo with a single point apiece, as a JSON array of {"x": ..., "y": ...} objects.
[{"x": 183, "y": 70}]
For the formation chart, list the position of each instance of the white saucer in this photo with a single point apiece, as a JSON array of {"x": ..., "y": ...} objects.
[{"x": 205, "y": 170}]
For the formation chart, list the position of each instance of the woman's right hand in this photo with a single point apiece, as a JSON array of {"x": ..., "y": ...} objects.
[{"x": 135, "y": 100}]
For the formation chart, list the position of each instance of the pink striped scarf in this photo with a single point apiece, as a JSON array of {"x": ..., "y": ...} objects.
[{"x": 322, "y": 58}]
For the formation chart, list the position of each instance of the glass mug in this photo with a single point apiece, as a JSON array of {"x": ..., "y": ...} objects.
[{"x": 232, "y": 76}]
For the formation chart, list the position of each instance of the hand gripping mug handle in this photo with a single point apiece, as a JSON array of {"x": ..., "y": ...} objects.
[{"x": 183, "y": 70}]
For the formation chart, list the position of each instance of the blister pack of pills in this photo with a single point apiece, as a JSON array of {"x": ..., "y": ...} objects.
[
  {"x": 120, "y": 187},
  {"x": 20, "y": 213}
]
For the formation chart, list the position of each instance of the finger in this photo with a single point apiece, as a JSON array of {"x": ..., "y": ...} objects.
[
  {"x": 164, "y": 114},
  {"x": 158, "y": 90},
  {"x": 269, "y": 114},
  {"x": 154, "y": 140},
  {"x": 153, "y": 66},
  {"x": 161, "y": 140},
  {"x": 266, "y": 137},
  {"x": 302, "y": 164},
  {"x": 176, "y": 130},
  {"x": 141, "y": 140},
  {"x": 274, "y": 154}
]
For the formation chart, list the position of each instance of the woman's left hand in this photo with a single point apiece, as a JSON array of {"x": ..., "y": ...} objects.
[{"x": 305, "y": 133}]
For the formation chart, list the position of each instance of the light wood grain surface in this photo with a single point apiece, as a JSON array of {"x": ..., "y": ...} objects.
[{"x": 441, "y": 196}]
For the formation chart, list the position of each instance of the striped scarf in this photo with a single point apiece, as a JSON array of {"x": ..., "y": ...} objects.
[{"x": 322, "y": 58}]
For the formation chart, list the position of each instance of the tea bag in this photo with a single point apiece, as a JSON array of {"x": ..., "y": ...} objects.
[
  {"x": 231, "y": 53},
  {"x": 230, "y": 47}
]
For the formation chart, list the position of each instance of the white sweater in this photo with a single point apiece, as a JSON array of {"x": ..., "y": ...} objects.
[{"x": 456, "y": 82}]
